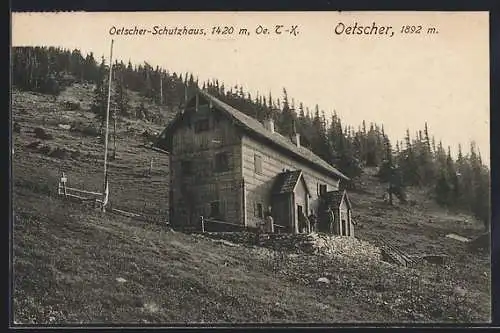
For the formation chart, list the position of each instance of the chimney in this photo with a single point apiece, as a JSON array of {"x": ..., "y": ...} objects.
[
  {"x": 269, "y": 124},
  {"x": 295, "y": 135}
]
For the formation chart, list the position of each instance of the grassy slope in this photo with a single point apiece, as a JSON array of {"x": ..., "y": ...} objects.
[
  {"x": 67, "y": 257},
  {"x": 68, "y": 261},
  {"x": 419, "y": 228}
]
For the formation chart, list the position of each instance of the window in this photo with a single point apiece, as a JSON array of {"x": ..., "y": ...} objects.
[
  {"x": 221, "y": 162},
  {"x": 322, "y": 189},
  {"x": 259, "y": 211},
  {"x": 215, "y": 209},
  {"x": 187, "y": 168},
  {"x": 258, "y": 163},
  {"x": 201, "y": 125}
]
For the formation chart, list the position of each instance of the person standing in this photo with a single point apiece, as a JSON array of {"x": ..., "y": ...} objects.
[
  {"x": 304, "y": 225},
  {"x": 269, "y": 221},
  {"x": 331, "y": 220},
  {"x": 259, "y": 231},
  {"x": 308, "y": 223},
  {"x": 313, "y": 221}
]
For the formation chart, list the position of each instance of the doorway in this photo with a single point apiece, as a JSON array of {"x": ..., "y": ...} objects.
[{"x": 300, "y": 218}]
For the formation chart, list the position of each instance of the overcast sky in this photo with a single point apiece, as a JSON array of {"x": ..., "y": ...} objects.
[{"x": 401, "y": 81}]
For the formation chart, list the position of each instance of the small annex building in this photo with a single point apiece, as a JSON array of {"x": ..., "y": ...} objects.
[{"x": 338, "y": 205}]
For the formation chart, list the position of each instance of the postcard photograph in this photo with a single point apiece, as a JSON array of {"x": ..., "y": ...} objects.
[{"x": 214, "y": 168}]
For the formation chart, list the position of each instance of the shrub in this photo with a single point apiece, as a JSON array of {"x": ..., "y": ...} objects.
[
  {"x": 84, "y": 129},
  {"x": 16, "y": 128},
  {"x": 75, "y": 154},
  {"x": 44, "y": 149},
  {"x": 60, "y": 153},
  {"x": 33, "y": 145},
  {"x": 71, "y": 106},
  {"x": 42, "y": 134}
]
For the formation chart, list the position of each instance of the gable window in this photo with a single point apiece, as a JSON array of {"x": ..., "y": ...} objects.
[
  {"x": 187, "y": 168},
  {"x": 258, "y": 164},
  {"x": 221, "y": 162},
  {"x": 259, "y": 211},
  {"x": 201, "y": 125}
]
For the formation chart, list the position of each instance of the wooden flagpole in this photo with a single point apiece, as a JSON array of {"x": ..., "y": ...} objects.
[
  {"x": 161, "y": 88},
  {"x": 105, "y": 187}
]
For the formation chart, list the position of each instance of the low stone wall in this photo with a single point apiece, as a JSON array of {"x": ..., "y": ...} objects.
[
  {"x": 244, "y": 237},
  {"x": 314, "y": 243}
]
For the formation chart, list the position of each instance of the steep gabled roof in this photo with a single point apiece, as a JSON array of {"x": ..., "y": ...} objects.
[
  {"x": 254, "y": 128},
  {"x": 258, "y": 129},
  {"x": 286, "y": 181},
  {"x": 335, "y": 198}
]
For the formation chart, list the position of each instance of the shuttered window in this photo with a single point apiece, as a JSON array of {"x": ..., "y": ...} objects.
[
  {"x": 259, "y": 211},
  {"x": 321, "y": 189},
  {"x": 221, "y": 162},
  {"x": 215, "y": 209},
  {"x": 258, "y": 164}
]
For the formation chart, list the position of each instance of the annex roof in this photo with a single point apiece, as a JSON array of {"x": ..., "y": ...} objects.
[
  {"x": 335, "y": 198},
  {"x": 286, "y": 181}
]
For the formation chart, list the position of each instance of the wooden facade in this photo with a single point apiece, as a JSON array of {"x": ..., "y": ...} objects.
[
  {"x": 224, "y": 164},
  {"x": 205, "y": 167}
]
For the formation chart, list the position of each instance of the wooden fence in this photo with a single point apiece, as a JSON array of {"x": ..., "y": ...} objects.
[
  {"x": 150, "y": 218},
  {"x": 75, "y": 193},
  {"x": 97, "y": 198},
  {"x": 211, "y": 224}
]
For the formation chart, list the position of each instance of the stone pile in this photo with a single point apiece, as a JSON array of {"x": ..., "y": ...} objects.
[
  {"x": 329, "y": 245},
  {"x": 347, "y": 247},
  {"x": 319, "y": 244}
]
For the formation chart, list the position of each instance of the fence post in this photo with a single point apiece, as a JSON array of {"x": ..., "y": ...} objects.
[
  {"x": 63, "y": 182},
  {"x": 202, "y": 224},
  {"x": 151, "y": 167}
]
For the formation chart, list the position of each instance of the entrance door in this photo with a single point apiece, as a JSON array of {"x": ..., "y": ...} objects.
[
  {"x": 300, "y": 220},
  {"x": 344, "y": 228}
]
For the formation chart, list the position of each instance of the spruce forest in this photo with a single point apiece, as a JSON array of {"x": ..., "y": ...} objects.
[{"x": 457, "y": 181}]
